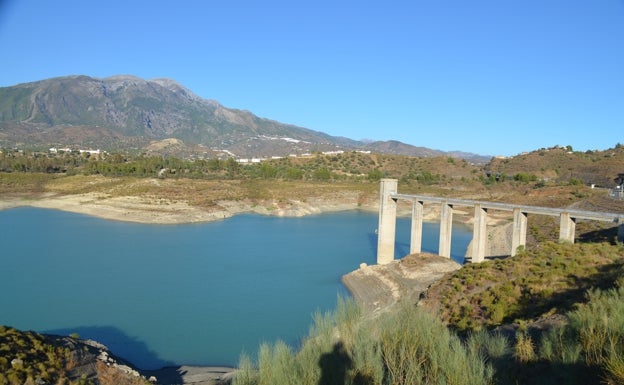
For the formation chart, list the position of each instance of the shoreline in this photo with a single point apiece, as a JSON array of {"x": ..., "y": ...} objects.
[
  {"x": 190, "y": 374},
  {"x": 146, "y": 210},
  {"x": 143, "y": 210}
]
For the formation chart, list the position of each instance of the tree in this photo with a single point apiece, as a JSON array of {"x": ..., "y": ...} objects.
[
  {"x": 294, "y": 173},
  {"x": 267, "y": 171},
  {"x": 374, "y": 175},
  {"x": 232, "y": 165},
  {"x": 322, "y": 174}
]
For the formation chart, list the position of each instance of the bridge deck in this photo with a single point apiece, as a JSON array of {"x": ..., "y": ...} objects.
[{"x": 577, "y": 214}]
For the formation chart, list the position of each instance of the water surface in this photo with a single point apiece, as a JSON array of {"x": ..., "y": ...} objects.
[{"x": 195, "y": 294}]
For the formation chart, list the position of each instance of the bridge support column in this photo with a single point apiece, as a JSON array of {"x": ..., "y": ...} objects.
[
  {"x": 479, "y": 234},
  {"x": 567, "y": 228},
  {"x": 387, "y": 222},
  {"x": 519, "y": 234},
  {"x": 620, "y": 235},
  {"x": 417, "y": 226},
  {"x": 446, "y": 228}
]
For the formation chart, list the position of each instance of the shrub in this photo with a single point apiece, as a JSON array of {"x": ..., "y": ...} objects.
[
  {"x": 418, "y": 349},
  {"x": 524, "y": 349},
  {"x": 524, "y": 177},
  {"x": 404, "y": 346},
  {"x": 322, "y": 174},
  {"x": 594, "y": 336},
  {"x": 491, "y": 345}
]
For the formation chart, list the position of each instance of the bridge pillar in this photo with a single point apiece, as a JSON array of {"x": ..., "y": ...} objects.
[
  {"x": 446, "y": 228},
  {"x": 620, "y": 235},
  {"x": 387, "y": 222},
  {"x": 417, "y": 226},
  {"x": 519, "y": 234},
  {"x": 479, "y": 234},
  {"x": 567, "y": 228}
]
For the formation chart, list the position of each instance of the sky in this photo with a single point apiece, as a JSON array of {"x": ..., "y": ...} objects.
[{"x": 492, "y": 77}]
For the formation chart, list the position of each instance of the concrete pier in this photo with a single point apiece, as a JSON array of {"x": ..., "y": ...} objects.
[
  {"x": 567, "y": 227},
  {"x": 519, "y": 233},
  {"x": 417, "y": 227},
  {"x": 479, "y": 234},
  {"x": 387, "y": 222},
  {"x": 446, "y": 230}
]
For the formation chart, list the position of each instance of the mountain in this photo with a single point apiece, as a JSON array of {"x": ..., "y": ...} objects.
[{"x": 159, "y": 116}]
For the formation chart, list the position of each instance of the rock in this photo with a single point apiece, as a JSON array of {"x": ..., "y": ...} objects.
[
  {"x": 377, "y": 287},
  {"x": 17, "y": 363}
]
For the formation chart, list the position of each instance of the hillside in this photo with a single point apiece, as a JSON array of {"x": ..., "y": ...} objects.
[
  {"x": 129, "y": 113},
  {"x": 34, "y": 172},
  {"x": 33, "y": 358},
  {"x": 559, "y": 164}
]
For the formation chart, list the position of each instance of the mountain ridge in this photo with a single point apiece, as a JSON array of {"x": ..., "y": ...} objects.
[{"x": 123, "y": 112}]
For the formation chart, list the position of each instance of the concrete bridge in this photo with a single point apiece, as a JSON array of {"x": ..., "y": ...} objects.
[{"x": 387, "y": 222}]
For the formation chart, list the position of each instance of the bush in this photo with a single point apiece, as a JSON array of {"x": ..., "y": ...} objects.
[
  {"x": 322, "y": 174},
  {"x": 524, "y": 177},
  {"x": 404, "y": 346},
  {"x": 594, "y": 336},
  {"x": 418, "y": 349}
]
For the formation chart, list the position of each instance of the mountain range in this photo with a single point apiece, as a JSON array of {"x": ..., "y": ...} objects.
[{"x": 160, "y": 116}]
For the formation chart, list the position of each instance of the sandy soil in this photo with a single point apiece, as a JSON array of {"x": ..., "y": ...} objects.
[
  {"x": 131, "y": 209},
  {"x": 159, "y": 211}
]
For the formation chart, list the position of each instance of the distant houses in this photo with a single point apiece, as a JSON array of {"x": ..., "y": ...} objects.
[
  {"x": 55, "y": 150},
  {"x": 306, "y": 155}
]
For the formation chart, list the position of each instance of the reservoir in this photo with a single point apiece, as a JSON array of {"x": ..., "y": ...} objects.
[{"x": 196, "y": 294}]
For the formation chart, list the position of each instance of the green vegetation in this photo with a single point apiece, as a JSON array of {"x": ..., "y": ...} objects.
[
  {"x": 594, "y": 337},
  {"x": 406, "y": 346},
  {"x": 550, "y": 279},
  {"x": 27, "y": 358},
  {"x": 546, "y": 168},
  {"x": 345, "y": 166},
  {"x": 560, "y": 164}
]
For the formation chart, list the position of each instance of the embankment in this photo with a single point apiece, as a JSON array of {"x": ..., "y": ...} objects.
[{"x": 380, "y": 286}]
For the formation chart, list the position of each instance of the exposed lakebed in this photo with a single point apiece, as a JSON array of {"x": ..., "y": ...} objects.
[{"x": 197, "y": 294}]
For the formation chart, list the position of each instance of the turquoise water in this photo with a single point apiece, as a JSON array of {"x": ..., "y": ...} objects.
[{"x": 200, "y": 294}]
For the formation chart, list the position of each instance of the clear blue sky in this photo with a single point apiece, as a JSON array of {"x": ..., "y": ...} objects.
[{"x": 495, "y": 77}]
